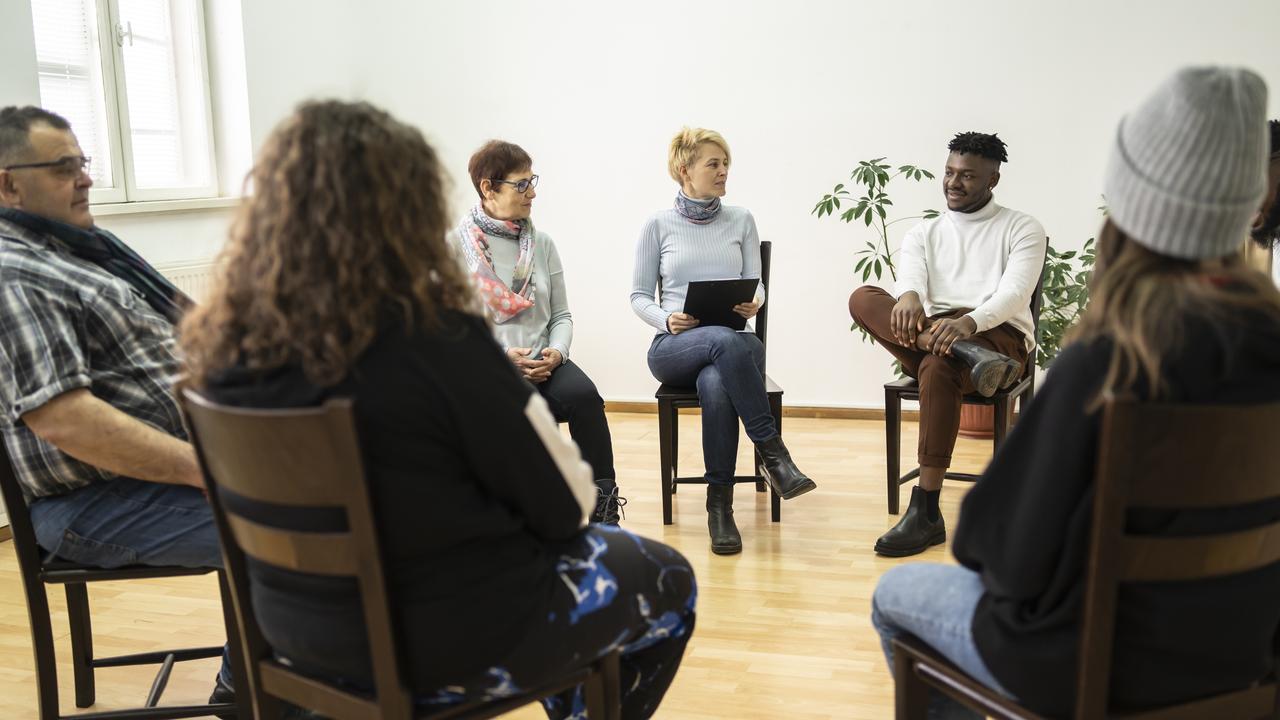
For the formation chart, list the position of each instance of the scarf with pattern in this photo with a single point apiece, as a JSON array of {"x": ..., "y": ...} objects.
[
  {"x": 699, "y": 212},
  {"x": 504, "y": 300}
]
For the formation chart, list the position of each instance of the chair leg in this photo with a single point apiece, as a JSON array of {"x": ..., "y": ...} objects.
[
  {"x": 604, "y": 690},
  {"x": 1001, "y": 429},
  {"x": 42, "y": 648},
  {"x": 775, "y": 502},
  {"x": 910, "y": 693},
  {"x": 664, "y": 458},
  {"x": 81, "y": 643},
  {"x": 893, "y": 446},
  {"x": 675, "y": 449},
  {"x": 235, "y": 647}
]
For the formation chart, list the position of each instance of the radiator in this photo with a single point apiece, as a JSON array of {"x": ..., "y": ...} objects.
[{"x": 192, "y": 278}]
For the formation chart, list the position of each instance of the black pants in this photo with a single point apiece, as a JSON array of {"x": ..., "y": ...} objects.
[
  {"x": 574, "y": 399},
  {"x": 615, "y": 590}
]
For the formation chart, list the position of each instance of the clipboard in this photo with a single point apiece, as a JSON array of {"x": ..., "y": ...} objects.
[{"x": 712, "y": 301}]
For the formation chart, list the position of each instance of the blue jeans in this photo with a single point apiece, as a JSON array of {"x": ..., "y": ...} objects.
[
  {"x": 934, "y": 603},
  {"x": 727, "y": 367},
  {"x": 129, "y": 522}
]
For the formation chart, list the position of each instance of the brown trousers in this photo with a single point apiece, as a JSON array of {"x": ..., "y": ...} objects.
[{"x": 943, "y": 380}]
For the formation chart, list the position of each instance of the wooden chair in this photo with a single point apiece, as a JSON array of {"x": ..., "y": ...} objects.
[
  {"x": 1151, "y": 456},
  {"x": 309, "y": 458},
  {"x": 74, "y": 578},
  {"x": 673, "y": 398},
  {"x": 908, "y": 389}
]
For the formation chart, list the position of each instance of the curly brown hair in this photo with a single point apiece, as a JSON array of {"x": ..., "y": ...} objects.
[{"x": 346, "y": 228}]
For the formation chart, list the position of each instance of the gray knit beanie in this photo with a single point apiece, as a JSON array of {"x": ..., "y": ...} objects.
[{"x": 1188, "y": 169}]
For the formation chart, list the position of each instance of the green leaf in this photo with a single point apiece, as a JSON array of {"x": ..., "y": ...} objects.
[
  {"x": 878, "y": 268},
  {"x": 867, "y": 218},
  {"x": 930, "y": 214},
  {"x": 880, "y": 209},
  {"x": 837, "y": 202},
  {"x": 839, "y": 187},
  {"x": 927, "y": 174}
]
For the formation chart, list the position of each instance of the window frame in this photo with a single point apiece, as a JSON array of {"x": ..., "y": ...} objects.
[{"x": 108, "y": 34}]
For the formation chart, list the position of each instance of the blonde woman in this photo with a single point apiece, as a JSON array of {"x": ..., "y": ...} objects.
[{"x": 699, "y": 238}]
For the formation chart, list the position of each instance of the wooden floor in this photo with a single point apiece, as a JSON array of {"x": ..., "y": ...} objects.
[{"x": 783, "y": 628}]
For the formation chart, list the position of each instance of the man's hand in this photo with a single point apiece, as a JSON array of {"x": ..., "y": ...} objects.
[
  {"x": 679, "y": 322},
  {"x": 907, "y": 319},
  {"x": 747, "y": 310},
  {"x": 946, "y": 332}
]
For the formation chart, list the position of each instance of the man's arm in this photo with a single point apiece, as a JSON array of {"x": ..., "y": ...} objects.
[{"x": 94, "y": 432}]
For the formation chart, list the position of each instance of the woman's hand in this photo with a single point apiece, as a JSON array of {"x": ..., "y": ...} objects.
[
  {"x": 679, "y": 322},
  {"x": 535, "y": 371},
  {"x": 747, "y": 310}
]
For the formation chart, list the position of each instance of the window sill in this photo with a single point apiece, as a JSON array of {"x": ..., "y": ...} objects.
[{"x": 163, "y": 206}]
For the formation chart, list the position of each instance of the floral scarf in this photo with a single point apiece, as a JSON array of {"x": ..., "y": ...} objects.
[
  {"x": 474, "y": 232},
  {"x": 699, "y": 212}
]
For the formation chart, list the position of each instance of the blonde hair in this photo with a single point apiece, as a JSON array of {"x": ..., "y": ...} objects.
[
  {"x": 684, "y": 149},
  {"x": 1140, "y": 300}
]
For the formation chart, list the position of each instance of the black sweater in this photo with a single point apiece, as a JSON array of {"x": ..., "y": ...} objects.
[
  {"x": 1025, "y": 528},
  {"x": 467, "y": 500}
]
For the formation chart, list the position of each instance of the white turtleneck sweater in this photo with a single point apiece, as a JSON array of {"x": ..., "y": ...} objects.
[{"x": 988, "y": 260}]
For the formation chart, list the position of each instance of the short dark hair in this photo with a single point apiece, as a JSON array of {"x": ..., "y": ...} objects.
[
  {"x": 15, "y": 129},
  {"x": 1274, "y": 127},
  {"x": 990, "y": 147},
  {"x": 495, "y": 160}
]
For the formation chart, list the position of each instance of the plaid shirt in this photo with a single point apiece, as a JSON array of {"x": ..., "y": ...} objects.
[{"x": 65, "y": 324}]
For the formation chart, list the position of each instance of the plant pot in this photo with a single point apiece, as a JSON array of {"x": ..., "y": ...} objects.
[{"x": 978, "y": 421}]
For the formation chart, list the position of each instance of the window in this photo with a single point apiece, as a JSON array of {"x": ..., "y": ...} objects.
[{"x": 131, "y": 77}]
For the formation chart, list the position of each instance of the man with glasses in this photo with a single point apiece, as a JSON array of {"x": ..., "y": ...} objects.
[{"x": 87, "y": 365}]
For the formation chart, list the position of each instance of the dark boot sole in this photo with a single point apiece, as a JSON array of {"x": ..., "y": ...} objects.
[
  {"x": 726, "y": 549},
  {"x": 990, "y": 375},
  {"x": 936, "y": 539}
]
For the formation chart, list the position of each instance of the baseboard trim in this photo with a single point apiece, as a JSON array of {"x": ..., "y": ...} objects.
[{"x": 799, "y": 411}]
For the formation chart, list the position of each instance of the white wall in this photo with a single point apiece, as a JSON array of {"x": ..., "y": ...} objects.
[{"x": 801, "y": 90}]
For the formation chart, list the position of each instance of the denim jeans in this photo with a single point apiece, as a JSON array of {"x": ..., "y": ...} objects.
[
  {"x": 727, "y": 367},
  {"x": 934, "y": 603},
  {"x": 129, "y": 522}
]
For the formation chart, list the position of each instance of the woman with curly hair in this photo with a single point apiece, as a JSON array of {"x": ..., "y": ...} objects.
[{"x": 338, "y": 281}]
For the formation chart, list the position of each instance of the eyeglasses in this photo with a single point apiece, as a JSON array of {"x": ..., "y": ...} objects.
[
  {"x": 522, "y": 186},
  {"x": 65, "y": 167}
]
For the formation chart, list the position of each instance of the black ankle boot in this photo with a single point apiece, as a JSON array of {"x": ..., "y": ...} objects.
[
  {"x": 991, "y": 370},
  {"x": 915, "y": 532},
  {"x": 781, "y": 472},
  {"x": 725, "y": 539}
]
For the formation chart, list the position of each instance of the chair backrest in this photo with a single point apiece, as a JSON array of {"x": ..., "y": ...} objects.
[
  {"x": 298, "y": 458},
  {"x": 1185, "y": 457}
]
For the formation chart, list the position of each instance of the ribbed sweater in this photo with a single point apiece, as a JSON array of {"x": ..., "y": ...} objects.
[{"x": 676, "y": 251}]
